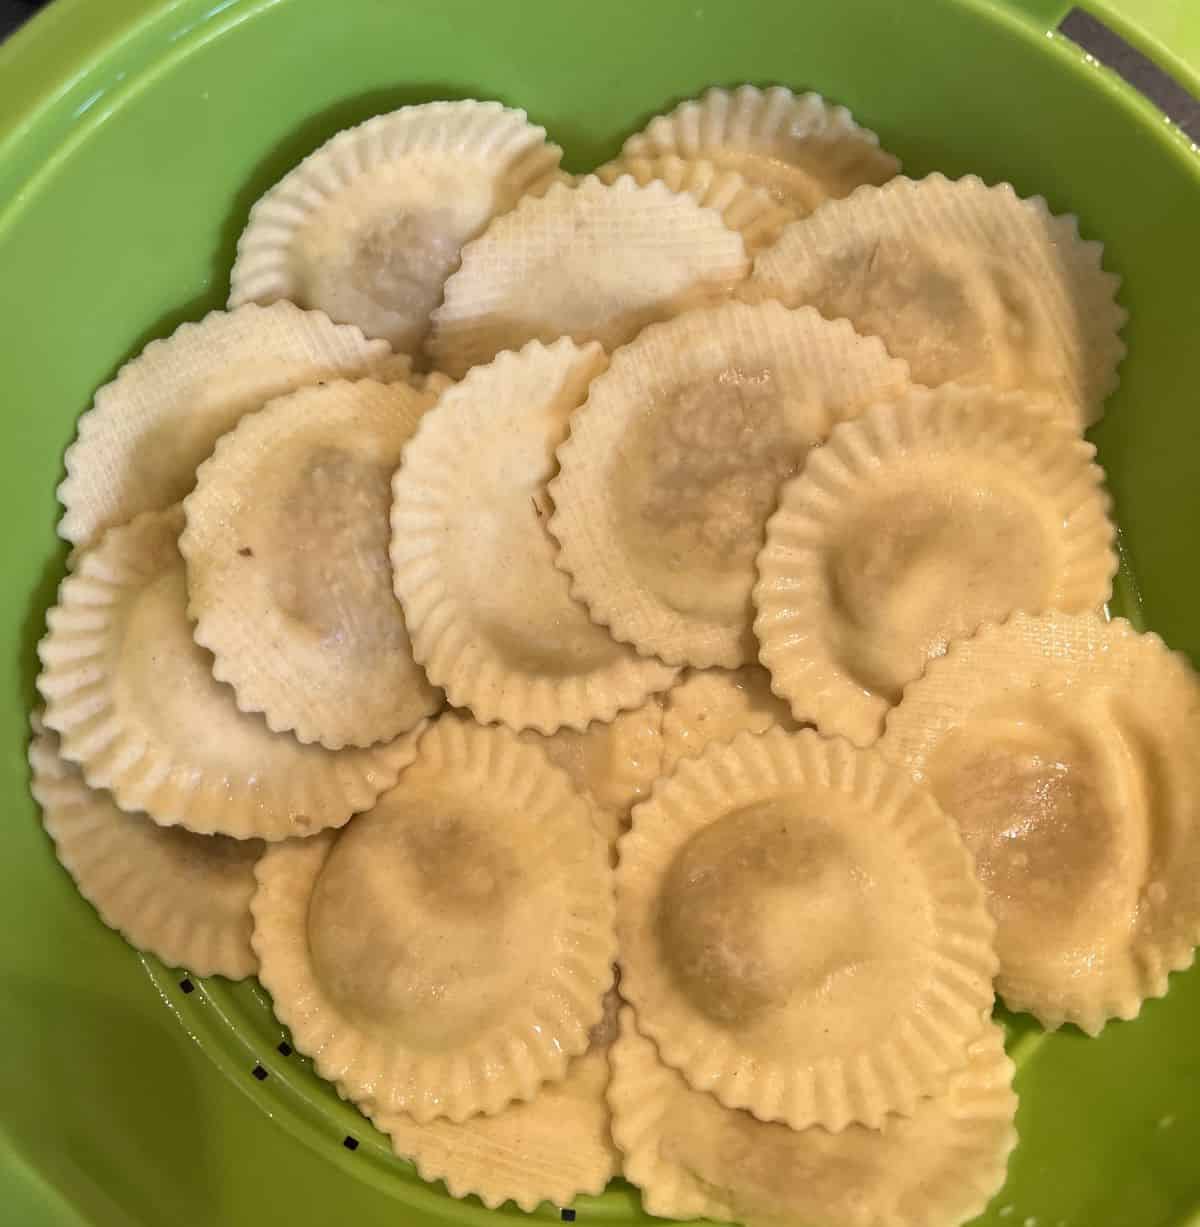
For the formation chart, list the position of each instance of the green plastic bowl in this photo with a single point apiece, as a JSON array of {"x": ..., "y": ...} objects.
[{"x": 134, "y": 135}]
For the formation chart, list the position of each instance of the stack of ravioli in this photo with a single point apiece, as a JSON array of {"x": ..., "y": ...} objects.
[{"x": 625, "y": 659}]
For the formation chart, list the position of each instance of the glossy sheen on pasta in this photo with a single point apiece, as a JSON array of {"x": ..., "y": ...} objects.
[
  {"x": 642, "y": 472},
  {"x": 449, "y": 952},
  {"x": 1064, "y": 748},
  {"x": 760, "y": 839}
]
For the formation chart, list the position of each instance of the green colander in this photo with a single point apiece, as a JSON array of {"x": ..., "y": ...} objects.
[{"x": 134, "y": 136}]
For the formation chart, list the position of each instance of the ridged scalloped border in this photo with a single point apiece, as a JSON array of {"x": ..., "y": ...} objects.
[
  {"x": 922, "y": 1047},
  {"x": 519, "y": 281},
  {"x": 138, "y": 446},
  {"x": 873, "y": 456},
  {"x": 1019, "y": 233},
  {"x": 652, "y": 1106},
  {"x": 716, "y": 705},
  {"x": 614, "y": 763},
  {"x": 274, "y": 665},
  {"x": 470, "y": 767},
  {"x": 479, "y": 134},
  {"x": 821, "y": 371},
  {"x": 1135, "y": 668},
  {"x": 142, "y": 880},
  {"x": 750, "y": 210},
  {"x": 448, "y": 622},
  {"x": 641, "y": 1091},
  {"x": 552, "y": 1149},
  {"x": 271, "y": 786},
  {"x": 800, "y": 130}
]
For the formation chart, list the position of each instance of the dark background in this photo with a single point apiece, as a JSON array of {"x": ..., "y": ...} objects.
[
  {"x": 13, "y": 12},
  {"x": 1077, "y": 26}
]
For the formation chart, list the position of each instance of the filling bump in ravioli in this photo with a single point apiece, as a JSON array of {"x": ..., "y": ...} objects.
[
  {"x": 448, "y": 952},
  {"x": 966, "y": 282},
  {"x": 908, "y": 529},
  {"x": 801, "y": 932},
  {"x": 134, "y": 700},
  {"x": 369, "y": 227},
  {"x": 674, "y": 464},
  {"x": 694, "y": 1158},
  {"x": 1045, "y": 739},
  {"x": 289, "y": 579},
  {"x": 147, "y": 431},
  {"x": 491, "y": 615}
]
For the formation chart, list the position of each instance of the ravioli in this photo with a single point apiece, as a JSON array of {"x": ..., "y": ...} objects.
[
  {"x": 798, "y": 147},
  {"x": 449, "y": 952},
  {"x": 693, "y": 1158},
  {"x": 491, "y": 616},
  {"x": 134, "y": 701},
  {"x": 674, "y": 464},
  {"x": 139, "y": 445},
  {"x": 801, "y": 932},
  {"x": 1064, "y": 748},
  {"x": 908, "y": 529},
  {"x": 182, "y": 897},
  {"x": 589, "y": 262},
  {"x": 966, "y": 282},
  {"x": 369, "y": 227},
  {"x": 289, "y": 581},
  {"x": 552, "y": 1148},
  {"x": 745, "y": 207}
]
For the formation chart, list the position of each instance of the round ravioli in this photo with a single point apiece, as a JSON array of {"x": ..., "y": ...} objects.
[
  {"x": 798, "y": 147},
  {"x": 590, "y": 262},
  {"x": 909, "y": 528},
  {"x": 182, "y": 897},
  {"x": 716, "y": 705},
  {"x": 1065, "y": 750},
  {"x": 369, "y": 226},
  {"x": 134, "y": 700},
  {"x": 289, "y": 581},
  {"x": 750, "y": 210},
  {"x": 139, "y": 445},
  {"x": 491, "y": 617},
  {"x": 965, "y": 282},
  {"x": 447, "y": 953},
  {"x": 693, "y": 1158},
  {"x": 553, "y": 1148},
  {"x": 801, "y": 931},
  {"x": 674, "y": 464}
]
